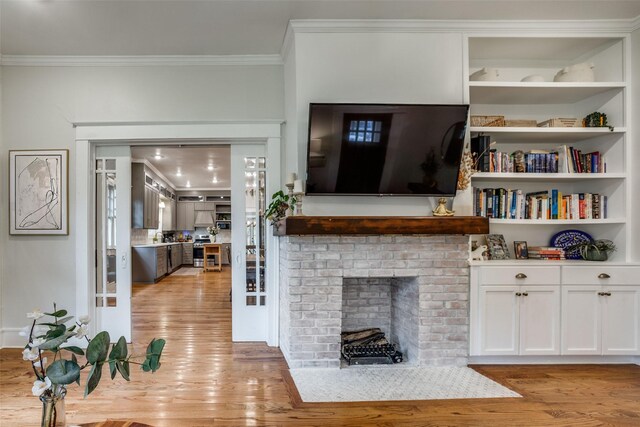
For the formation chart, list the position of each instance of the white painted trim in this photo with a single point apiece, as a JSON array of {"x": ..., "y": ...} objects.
[
  {"x": 635, "y": 24},
  {"x": 138, "y": 61},
  {"x": 273, "y": 246},
  {"x": 147, "y": 133},
  {"x": 421, "y": 26},
  {"x": 10, "y": 338},
  {"x": 550, "y": 360},
  {"x": 202, "y": 189},
  {"x": 288, "y": 41}
]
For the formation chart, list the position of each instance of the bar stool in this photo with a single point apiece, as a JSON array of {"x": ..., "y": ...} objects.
[{"x": 212, "y": 250}]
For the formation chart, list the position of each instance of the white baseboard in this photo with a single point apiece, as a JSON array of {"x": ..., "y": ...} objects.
[
  {"x": 551, "y": 360},
  {"x": 10, "y": 338}
]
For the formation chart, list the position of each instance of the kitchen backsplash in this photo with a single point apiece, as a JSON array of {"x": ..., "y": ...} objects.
[{"x": 140, "y": 236}]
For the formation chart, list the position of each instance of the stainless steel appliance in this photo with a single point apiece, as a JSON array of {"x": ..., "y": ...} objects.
[{"x": 198, "y": 250}]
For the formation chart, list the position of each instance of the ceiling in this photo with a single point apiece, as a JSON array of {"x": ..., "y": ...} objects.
[
  {"x": 239, "y": 27},
  {"x": 192, "y": 163}
]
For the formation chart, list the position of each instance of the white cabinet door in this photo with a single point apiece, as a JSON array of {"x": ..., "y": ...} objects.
[
  {"x": 539, "y": 320},
  {"x": 189, "y": 216},
  {"x": 581, "y": 316},
  {"x": 499, "y": 320},
  {"x": 621, "y": 320}
]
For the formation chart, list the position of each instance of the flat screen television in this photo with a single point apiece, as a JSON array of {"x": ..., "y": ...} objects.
[{"x": 385, "y": 149}]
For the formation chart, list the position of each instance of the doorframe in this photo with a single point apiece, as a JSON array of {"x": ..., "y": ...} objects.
[{"x": 89, "y": 135}]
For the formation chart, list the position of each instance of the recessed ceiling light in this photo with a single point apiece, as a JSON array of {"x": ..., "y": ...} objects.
[
  {"x": 157, "y": 157},
  {"x": 210, "y": 167},
  {"x": 188, "y": 184},
  {"x": 178, "y": 173},
  {"x": 215, "y": 180}
]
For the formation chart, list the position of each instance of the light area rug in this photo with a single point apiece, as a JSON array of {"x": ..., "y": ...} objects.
[
  {"x": 359, "y": 384},
  {"x": 188, "y": 271}
]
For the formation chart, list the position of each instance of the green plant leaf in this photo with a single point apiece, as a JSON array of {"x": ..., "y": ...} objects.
[
  {"x": 94, "y": 378},
  {"x": 54, "y": 342},
  {"x": 73, "y": 349},
  {"x": 63, "y": 372},
  {"x": 98, "y": 348},
  {"x": 154, "y": 351},
  {"x": 119, "y": 350},
  {"x": 59, "y": 313},
  {"x": 123, "y": 368},
  {"x": 56, "y": 331},
  {"x": 112, "y": 368}
]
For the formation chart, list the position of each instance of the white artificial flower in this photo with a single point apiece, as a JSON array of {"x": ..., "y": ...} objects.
[
  {"x": 30, "y": 354},
  {"x": 84, "y": 320},
  {"x": 40, "y": 363},
  {"x": 37, "y": 342},
  {"x": 35, "y": 314},
  {"x": 82, "y": 331},
  {"x": 40, "y": 330},
  {"x": 40, "y": 387}
]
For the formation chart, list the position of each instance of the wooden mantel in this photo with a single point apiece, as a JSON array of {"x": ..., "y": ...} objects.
[{"x": 374, "y": 225}]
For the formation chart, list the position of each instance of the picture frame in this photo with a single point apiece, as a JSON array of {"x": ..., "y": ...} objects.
[
  {"x": 39, "y": 192},
  {"x": 521, "y": 250},
  {"x": 497, "y": 247}
]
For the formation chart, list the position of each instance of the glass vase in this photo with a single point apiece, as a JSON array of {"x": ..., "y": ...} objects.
[
  {"x": 212, "y": 238},
  {"x": 53, "y": 411}
]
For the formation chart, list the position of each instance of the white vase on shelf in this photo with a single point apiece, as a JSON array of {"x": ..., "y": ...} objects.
[{"x": 212, "y": 238}]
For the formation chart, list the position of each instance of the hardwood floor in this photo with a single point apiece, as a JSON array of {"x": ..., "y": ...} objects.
[{"x": 206, "y": 380}]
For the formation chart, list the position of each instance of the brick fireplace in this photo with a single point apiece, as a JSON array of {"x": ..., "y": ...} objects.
[{"x": 414, "y": 286}]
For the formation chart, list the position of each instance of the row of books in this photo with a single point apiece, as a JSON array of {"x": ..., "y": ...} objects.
[
  {"x": 564, "y": 160},
  {"x": 550, "y": 204},
  {"x": 546, "y": 253}
]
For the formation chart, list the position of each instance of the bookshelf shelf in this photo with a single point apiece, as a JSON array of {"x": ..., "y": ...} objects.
[
  {"x": 517, "y": 57},
  {"x": 496, "y": 176},
  {"x": 538, "y": 93},
  {"x": 556, "y": 221},
  {"x": 546, "y": 135}
]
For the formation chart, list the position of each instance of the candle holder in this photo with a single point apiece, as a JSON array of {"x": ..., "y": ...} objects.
[
  {"x": 290, "y": 188},
  {"x": 299, "y": 204}
]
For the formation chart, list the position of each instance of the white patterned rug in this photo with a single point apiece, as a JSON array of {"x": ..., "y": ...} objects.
[
  {"x": 188, "y": 271},
  {"x": 358, "y": 384}
]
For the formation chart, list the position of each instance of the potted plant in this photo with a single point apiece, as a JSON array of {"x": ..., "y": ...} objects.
[
  {"x": 595, "y": 250},
  {"x": 277, "y": 209},
  {"x": 49, "y": 338}
]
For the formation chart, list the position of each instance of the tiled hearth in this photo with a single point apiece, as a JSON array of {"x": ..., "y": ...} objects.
[{"x": 419, "y": 296}]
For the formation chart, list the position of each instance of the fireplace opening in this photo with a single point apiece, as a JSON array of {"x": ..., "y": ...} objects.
[{"x": 380, "y": 320}]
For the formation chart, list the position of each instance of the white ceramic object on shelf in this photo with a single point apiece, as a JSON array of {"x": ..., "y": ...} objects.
[
  {"x": 533, "y": 78},
  {"x": 582, "y": 72},
  {"x": 485, "y": 74}
]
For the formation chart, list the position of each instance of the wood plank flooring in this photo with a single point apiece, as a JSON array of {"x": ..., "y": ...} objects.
[{"x": 205, "y": 380}]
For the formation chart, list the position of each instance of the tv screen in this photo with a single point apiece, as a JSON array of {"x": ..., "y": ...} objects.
[{"x": 383, "y": 149}]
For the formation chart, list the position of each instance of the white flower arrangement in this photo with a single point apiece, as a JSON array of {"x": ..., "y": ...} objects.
[{"x": 213, "y": 230}]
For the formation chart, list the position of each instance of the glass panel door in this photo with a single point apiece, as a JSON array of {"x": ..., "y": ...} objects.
[
  {"x": 248, "y": 199},
  {"x": 112, "y": 240}
]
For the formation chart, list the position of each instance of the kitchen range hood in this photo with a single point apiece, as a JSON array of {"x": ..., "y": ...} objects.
[{"x": 203, "y": 219}]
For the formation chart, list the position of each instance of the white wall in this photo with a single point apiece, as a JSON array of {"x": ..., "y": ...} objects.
[
  {"x": 38, "y": 104},
  {"x": 380, "y": 67},
  {"x": 634, "y": 144}
]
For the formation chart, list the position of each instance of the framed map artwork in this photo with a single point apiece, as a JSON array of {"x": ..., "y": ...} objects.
[{"x": 39, "y": 192}]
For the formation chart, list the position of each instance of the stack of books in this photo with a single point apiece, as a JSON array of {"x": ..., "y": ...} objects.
[{"x": 546, "y": 253}]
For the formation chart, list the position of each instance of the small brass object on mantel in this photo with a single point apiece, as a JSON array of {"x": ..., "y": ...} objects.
[{"x": 441, "y": 209}]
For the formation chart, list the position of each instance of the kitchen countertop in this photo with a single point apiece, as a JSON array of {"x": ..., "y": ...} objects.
[{"x": 157, "y": 245}]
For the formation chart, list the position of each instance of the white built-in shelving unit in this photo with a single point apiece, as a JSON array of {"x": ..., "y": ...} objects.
[{"x": 517, "y": 56}]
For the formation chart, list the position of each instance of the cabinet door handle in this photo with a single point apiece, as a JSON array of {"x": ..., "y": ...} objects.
[
  {"x": 602, "y": 294},
  {"x": 525, "y": 294},
  {"x": 518, "y": 294},
  {"x": 521, "y": 276},
  {"x": 603, "y": 276},
  {"x": 607, "y": 294}
]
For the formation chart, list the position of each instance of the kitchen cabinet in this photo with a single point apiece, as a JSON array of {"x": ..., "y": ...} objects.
[
  {"x": 185, "y": 216},
  {"x": 205, "y": 206},
  {"x": 145, "y": 199},
  {"x": 176, "y": 257},
  {"x": 601, "y": 314},
  {"x": 187, "y": 253},
  {"x": 149, "y": 263}
]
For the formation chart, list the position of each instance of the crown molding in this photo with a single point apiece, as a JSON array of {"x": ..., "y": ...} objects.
[
  {"x": 155, "y": 170},
  {"x": 425, "y": 26},
  {"x": 635, "y": 24},
  {"x": 137, "y": 61},
  {"x": 288, "y": 41}
]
